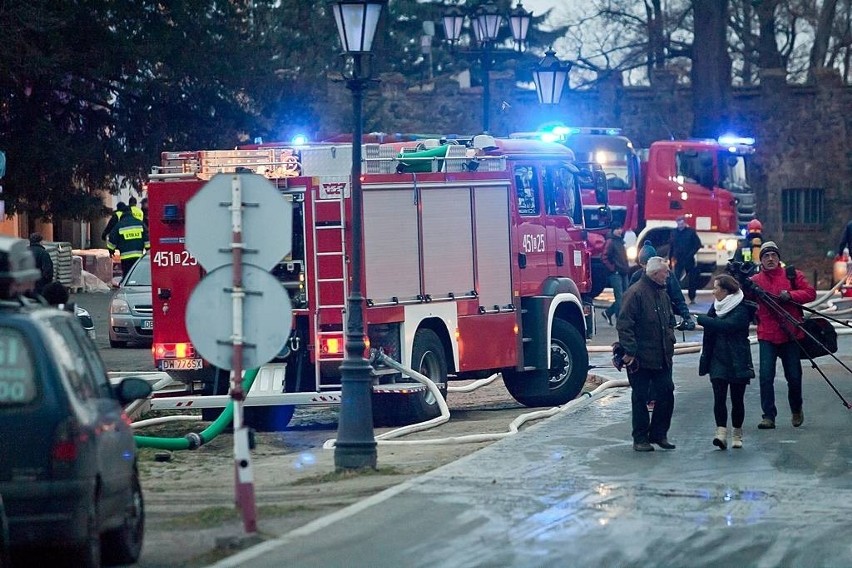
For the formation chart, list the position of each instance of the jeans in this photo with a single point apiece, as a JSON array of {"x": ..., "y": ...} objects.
[
  {"x": 618, "y": 284},
  {"x": 789, "y": 354},
  {"x": 720, "y": 403},
  {"x": 656, "y": 385}
]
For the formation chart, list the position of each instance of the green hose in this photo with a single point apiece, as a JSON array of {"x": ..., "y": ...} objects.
[{"x": 193, "y": 441}]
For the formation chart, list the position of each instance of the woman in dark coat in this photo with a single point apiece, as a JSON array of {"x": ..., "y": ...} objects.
[{"x": 726, "y": 356}]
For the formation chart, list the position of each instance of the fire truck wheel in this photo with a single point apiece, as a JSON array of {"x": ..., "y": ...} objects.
[
  {"x": 569, "y": 365},
  {"x": 403, "y": 408}
]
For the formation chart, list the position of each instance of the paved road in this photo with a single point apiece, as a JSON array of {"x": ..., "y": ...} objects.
[{"x": 572, "y": 492}]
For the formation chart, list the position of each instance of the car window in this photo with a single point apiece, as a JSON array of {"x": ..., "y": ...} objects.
[
  {"x": 64, "y": 346},
  {"x": 140, "y": 275},
  {"x": 17, "y": 372},
  {"x": 95, "y": 368}
]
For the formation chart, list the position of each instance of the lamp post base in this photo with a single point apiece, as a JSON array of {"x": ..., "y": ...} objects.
[{"x": 355, "y": 455}]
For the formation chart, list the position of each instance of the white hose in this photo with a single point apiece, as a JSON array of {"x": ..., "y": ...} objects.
[
  {"x": 164, "y": 419},
  {"x": 514, "y": 427},
  {"x": 385, "y": 439},
  {"x": 474, "y": 385}
]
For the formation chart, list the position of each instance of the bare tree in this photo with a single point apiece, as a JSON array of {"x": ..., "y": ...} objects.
[
  {"x": 711, "y": 68},
  {"x": 819, "y": 51}
]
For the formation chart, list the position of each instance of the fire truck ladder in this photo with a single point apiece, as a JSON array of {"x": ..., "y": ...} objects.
[{"x": 324, "y": 282}]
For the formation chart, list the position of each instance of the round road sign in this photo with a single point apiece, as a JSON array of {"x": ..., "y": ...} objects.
[{"x": 267, "y": 314}]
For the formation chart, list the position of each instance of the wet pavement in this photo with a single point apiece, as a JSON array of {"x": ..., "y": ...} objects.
[{"x": 570, "y": 491}]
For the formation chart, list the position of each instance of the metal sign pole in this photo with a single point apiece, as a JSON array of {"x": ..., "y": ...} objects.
[
  {"x": 243, "y": 475},
  {"x": 238, "y": 265}
]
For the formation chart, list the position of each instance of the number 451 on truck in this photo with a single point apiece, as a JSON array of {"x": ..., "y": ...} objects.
[{"x": 475, "y": 262}]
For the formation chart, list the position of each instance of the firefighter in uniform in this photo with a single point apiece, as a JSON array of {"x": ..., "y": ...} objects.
[
  {"x": 750, "y": 246},
  {"x": 130, "y": 237},
  {"x": 135, "y": 210}
]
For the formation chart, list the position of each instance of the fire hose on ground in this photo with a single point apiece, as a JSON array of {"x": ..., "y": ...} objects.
[{"x": 194, "y": 440}]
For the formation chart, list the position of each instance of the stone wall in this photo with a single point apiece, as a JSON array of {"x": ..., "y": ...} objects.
[{"x": 802, "y": 132}]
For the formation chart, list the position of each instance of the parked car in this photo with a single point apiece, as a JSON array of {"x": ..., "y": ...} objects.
[
  {"x": 130, "y": 311},
  {"x": 68, "y": 468}
]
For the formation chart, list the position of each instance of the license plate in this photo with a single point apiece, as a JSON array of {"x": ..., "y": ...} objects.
[
  {"x": 180, "y": 365},
  {"x": 147, "y": 324}
]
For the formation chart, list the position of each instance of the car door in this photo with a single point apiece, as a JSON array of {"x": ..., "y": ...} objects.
[
  {"x": 114, "y": 445},
  {"x": 533, "y": 254},
  {"x": 564, "y": 219}
]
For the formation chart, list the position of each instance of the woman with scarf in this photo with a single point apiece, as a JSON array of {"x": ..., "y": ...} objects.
[{"x": 726, "y": 356}]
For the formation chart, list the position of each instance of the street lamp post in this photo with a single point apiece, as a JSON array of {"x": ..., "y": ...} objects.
[
  {"x": 485, "y": 23},
  {"x": 355, "y": 447},
  {"x": 550, "y": 76}
]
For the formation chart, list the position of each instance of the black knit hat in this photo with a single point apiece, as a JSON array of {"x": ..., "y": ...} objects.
[
  {"x": 646, "y": 252},
  {"x": 769, "y": 246}
]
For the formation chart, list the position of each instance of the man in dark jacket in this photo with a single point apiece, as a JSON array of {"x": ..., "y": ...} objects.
[
  {"x": 614, "y": 258},
  {"x": 776, "y": 334},
  {"x": 43, "y": 262},
  {"x": 685, "y": 243},
  {"x": 646, "y": 332},
  {"x": 130, "y": 237}
]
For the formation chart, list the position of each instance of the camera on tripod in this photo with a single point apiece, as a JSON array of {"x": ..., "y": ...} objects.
[{"x": 742, "y": 273}]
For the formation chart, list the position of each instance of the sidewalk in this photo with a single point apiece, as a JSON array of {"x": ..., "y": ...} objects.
[{"x": 571, "y": 491}]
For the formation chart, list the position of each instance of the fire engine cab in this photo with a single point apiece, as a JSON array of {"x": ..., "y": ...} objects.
[
  {"x": 475, "y": 260},
  {"x": 702, "y": 180}
]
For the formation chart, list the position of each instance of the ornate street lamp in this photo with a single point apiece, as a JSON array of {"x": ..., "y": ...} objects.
[
  {"x": 550, "y": 76},
  {"x": 485, "y": 23},
  {"x": 356, "y": 444}
]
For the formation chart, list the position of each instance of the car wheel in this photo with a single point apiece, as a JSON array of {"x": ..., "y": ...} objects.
[
  {"x": 117, "y": 344},
  {"x": 124, "y": 544},
  {"x": 87, "y": 554}
]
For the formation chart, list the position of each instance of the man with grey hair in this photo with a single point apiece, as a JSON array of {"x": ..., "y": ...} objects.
[{"x": 646, "y": 332}]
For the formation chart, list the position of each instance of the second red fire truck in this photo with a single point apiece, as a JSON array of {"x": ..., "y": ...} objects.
[
  {"x": 703, "y": 180},
  {"x": 475, "y": 262}
]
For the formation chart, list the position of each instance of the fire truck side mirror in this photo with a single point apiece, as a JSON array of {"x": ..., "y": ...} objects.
[
  {"x": 705, "y": 172},
  {"x": 601, "y": 187}
]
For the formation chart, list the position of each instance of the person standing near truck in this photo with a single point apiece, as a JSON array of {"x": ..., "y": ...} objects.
[
  {"x": 130, "y": 237},
  {"x": 646, "y": 332},
  {"x": 726, "y": 356},
  {"x": 684, "y": 245},
  {"x": 43, "y": 262},
  {"x": 614, "y": 258},
  {"x": 776, "y": 335}
]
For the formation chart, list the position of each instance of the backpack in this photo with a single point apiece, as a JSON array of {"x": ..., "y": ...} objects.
[{"x": 820, "y": 336}]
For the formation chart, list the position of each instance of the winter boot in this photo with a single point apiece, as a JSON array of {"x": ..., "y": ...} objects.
[
  {"x": 721, "y": 438},
  {"x": 738, "y": 438}
]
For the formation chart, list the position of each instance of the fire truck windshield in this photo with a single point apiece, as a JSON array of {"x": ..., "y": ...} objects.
[
  {"x": 732, "y": 172},
  {"x": 617, "y": 167}
]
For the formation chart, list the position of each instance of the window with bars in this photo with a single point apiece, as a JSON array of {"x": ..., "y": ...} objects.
[{"x": 804, "y": 207}]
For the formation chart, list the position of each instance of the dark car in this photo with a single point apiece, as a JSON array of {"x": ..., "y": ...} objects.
[
  {"x": 131, "y": 316},
  {"x": 68, "y": 470}
]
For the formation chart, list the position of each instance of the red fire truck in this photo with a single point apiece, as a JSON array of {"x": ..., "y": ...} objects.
[
  {"x": 475, "y": 262},
  {"x": 703, "y": 180}
]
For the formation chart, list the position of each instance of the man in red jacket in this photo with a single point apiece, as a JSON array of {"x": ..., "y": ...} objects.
[{"x": 777, "y": 335}]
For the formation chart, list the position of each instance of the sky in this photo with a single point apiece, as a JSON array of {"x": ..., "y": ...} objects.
[{"x": 538, "y": 7}]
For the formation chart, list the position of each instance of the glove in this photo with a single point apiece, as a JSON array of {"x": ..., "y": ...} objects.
[
  {"x": 785, "y": 296},
  {"x": 689, "y": 324}
]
